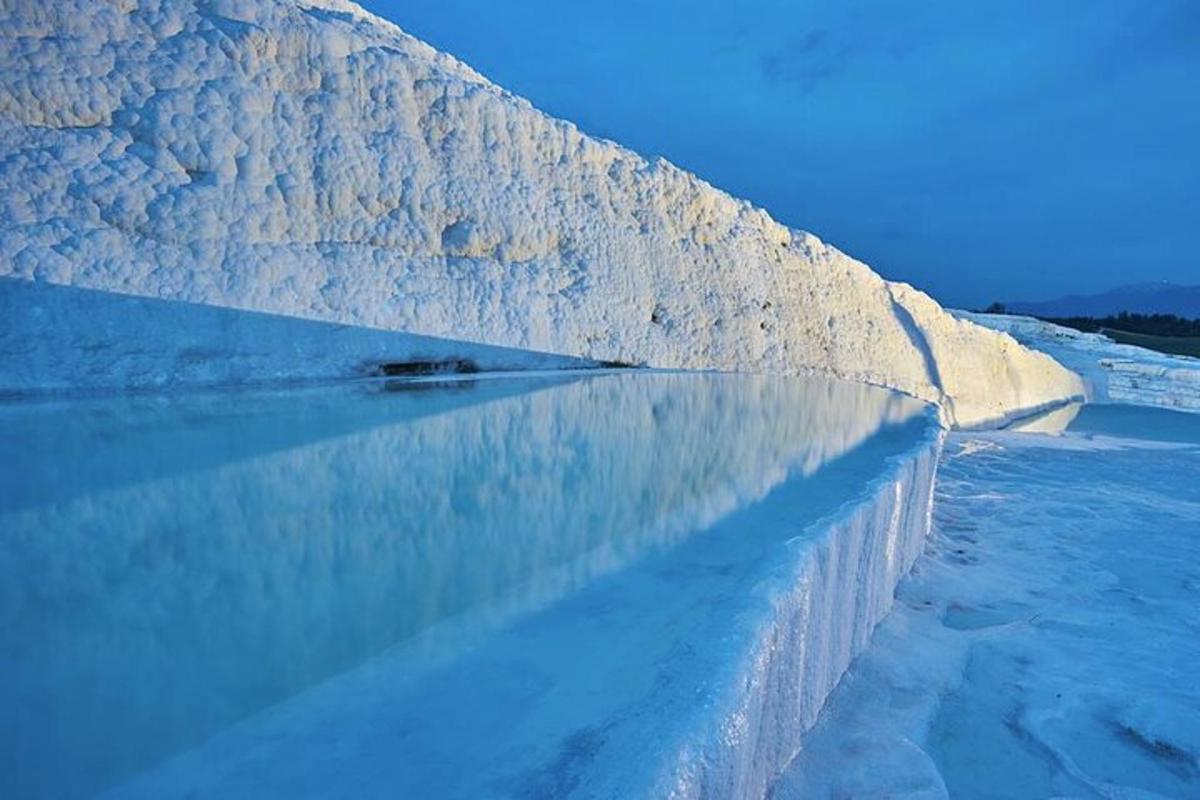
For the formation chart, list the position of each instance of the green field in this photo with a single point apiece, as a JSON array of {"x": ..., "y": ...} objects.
[{"x": 1175, "y": 345}]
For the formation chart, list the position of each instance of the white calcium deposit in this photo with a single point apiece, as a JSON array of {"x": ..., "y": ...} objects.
[
  {"x": 311, "y": 160},
  {"x": 1112, "y": 372}
]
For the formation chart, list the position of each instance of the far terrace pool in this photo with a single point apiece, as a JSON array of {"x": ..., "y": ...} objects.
[{"x": 603, "y": 584}]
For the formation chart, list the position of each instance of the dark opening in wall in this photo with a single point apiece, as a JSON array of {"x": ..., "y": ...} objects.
[{"x": 453, "y": 366}]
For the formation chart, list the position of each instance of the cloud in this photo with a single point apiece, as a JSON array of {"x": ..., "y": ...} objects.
[{"x": 806, "y": 61}]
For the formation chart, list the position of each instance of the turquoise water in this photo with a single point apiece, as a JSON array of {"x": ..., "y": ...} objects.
[{"x": 523, "y": 586}]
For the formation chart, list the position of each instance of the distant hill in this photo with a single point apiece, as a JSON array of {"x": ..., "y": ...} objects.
[{"x": 1139, "y": 298}]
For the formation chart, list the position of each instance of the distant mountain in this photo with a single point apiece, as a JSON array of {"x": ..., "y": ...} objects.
[{"x": 1157, "y": 297}]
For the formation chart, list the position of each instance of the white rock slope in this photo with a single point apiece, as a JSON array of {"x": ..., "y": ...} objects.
[
  {"x": 1112, "y": 372},
  {"x": 308, "y": 159}
]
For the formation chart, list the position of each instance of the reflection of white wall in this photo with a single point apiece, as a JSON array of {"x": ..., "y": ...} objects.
[
  {"x": 1053, "y": 422},
  {"x": 306, "y": 560},
  {"x": 307, "y": 159},
  {"x": 693, "y": 675}
]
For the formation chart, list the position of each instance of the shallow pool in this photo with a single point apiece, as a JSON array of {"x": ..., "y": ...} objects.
[{"x": 520, "y": 586}]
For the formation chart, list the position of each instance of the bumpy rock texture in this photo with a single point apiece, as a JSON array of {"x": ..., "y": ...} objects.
[
  {"x": 306, "y": 158},
  {"x": 1111, "y": 372}
]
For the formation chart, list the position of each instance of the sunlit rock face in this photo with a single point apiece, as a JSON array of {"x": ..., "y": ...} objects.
[
  {"x": 308, "y": 159},
  {"x": 1111, "y": 372}
]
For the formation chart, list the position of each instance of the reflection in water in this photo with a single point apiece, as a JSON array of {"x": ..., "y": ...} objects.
[
  {"x": 1053, "y": 422},
  {"x": 1114, "y": 420},
  {"x": 1138, "y": 423},
  {"x": 168, "y": 567}
]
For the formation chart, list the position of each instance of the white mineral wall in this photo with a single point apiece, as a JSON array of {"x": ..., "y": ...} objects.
[
  {"x": 822, "y": 614},
  {"x": 1112, "y": 372},
  {"x": 308, "y": 159}
]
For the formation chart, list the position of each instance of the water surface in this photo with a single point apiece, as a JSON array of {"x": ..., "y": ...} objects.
[{"x": 497, "y": 586}]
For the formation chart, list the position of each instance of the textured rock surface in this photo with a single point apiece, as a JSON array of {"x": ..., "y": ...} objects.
[
  {"x": 308, "y": 159},
  {"x": 1111, "y": 372}
]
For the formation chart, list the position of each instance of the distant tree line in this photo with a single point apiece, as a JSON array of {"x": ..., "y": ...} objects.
[{"x": 1149, "y": 324}]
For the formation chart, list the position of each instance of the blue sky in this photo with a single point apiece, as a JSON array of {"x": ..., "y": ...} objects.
[{"x": 992, "y": 149}]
